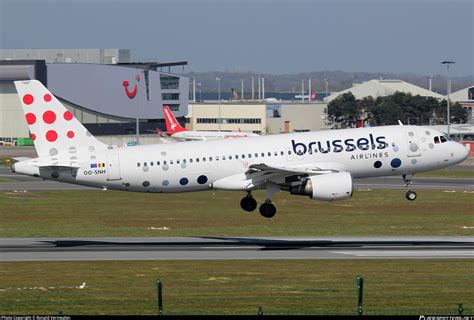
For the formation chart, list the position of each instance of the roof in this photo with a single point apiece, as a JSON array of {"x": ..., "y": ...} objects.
[
  {"x": 383, "y": 88},
  {"x": 466, "y": 94}
]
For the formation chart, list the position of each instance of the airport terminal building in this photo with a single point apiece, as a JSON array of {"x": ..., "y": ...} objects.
[{"x": 101, "y": 87}]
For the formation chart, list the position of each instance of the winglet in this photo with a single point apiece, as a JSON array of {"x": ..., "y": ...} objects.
[{"x": 400, "y": 123}]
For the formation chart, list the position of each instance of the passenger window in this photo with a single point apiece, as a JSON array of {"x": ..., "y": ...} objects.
[
  {"x": 275, "y": 153},
  {"x": 157, "y": 163},
  {"x": 138, "y": 164},
  {"x": 436, "y": 139},
  {"x": 177, "y": 161},
  {"x": 210, "y": 159},
  {"x": 197, "y": 159},
  {"x": 269, "y": 154},
  {"x": 236, "y": 156},
  {"x": 230, "y": 157},
  {"x": 223, "y": 157},
  {"x": 217, "y": 158},
  {"x": 151, "y": 163},
  {"x": 190, "y": 160},
  {"x": 256, "y": 155},
  {"x": 144, "y": 164},
  {"x": 171, "y": 162},
  {"x": 282, "y": 153},
  {"x": 184, "y": 160},
  {"x": 164, "y": 163},
  {"x": 289, "y": 152},
  {"x": 204, "y": 159},
  {"x": 243, "y": 156},
  {"x": 262, "y": 154},
  {"x": 250, "y": 156}
]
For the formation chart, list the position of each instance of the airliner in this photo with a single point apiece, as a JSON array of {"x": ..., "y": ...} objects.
[
  {"x": 320, "y": 165},
  {"x": 177, "y": 132}
]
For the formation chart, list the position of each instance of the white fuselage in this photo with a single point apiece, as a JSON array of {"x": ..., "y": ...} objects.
[
  {"x": 193, "y": 166},
  {"x": 210, "y": 135}
]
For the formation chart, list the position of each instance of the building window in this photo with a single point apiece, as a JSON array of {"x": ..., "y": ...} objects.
[
  {"x": 173, "y": 107},
  {"x": 169, "y": 82},
  {"x": 230, "y": 120},
  {"x": 170, "y": 96}
]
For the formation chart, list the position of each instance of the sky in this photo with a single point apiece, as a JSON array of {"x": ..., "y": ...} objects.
[{"x": 279, "y": 36}]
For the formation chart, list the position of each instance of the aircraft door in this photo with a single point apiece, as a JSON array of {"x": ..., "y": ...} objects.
[
  {"x": 414, "y": 148},
  {"x": 289, "y": 154},
  {"x": 113, "y": 167}
]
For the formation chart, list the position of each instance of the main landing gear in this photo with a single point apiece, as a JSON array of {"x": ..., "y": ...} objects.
[
  {"x": 248, "y": 203},
  {"x": 410, "y": 195},
  {"x": 267, "y": 209}
]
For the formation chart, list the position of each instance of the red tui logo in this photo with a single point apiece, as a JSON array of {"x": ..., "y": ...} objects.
[{"x": 133, "y": 93}]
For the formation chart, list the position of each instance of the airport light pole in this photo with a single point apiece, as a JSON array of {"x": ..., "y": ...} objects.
[
  {"x": 242, "y": 90},
  {"x": 259, "y": 87},
  {"x": 219, "y": 97},
  {"x": 302, "y": 90},
  {"x": 309, "y": 89},
  {"x": 200, "y": 90},
  {"x": 448, "y": 105},
  {"x": 263, "y": 88},
  {"x": 253, "y": 89},
  {"x": 194, "y": 89},
  {"x": 327, "y": 86}
]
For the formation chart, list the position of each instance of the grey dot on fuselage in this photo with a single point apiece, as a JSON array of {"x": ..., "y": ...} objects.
[{"x": 53, "y": 151}]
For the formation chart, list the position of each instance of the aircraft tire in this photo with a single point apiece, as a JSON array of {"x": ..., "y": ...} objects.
[
  {"x": 411, "y": 195},
  {"x": 248, "y": 204},
  {"x": 267, "y": 210}
]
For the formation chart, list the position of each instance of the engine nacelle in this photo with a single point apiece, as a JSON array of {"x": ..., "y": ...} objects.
[{"x": 326, "y": 187}]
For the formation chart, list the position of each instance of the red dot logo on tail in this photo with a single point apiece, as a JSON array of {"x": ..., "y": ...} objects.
[{"x": 133, "y": 93}]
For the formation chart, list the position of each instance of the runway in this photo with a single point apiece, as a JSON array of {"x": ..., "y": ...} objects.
[
  {"x": 21, "y": 182},
  {"x": 233, "y": 248}
]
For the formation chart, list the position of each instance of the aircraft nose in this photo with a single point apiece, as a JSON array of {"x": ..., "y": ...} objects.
[{"x": 462, "y": 152}]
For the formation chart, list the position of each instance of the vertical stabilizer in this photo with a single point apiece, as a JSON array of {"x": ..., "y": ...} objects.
[
  {"x": 172, "y": 125},
  {"x": 53, "y": 128}
]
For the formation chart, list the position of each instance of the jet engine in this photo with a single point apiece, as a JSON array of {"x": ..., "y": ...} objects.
[{"x": 325, "y": 187}]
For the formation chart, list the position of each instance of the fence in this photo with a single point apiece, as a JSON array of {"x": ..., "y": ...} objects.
[{"x": 358, "y": 310}]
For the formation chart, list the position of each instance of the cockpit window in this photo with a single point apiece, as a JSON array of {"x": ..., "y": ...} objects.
[
  {"x": 443, "y": 139},
  {"x": 436, "y": 139}
]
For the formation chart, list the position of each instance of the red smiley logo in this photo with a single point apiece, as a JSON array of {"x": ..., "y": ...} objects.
[{"x": 133, "y": 93}]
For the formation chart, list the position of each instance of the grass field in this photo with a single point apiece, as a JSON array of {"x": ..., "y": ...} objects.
[
  {"x": 110, "y": 213},
  {"x": 224, "y": 287},
  {"x": 452, "y": 172}
]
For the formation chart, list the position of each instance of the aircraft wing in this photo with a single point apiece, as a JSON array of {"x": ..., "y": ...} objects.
[
  {"x": 311, "y": 169},
  {"x": 260, "y": 174}
]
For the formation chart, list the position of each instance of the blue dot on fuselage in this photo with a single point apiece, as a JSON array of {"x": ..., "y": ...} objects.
[
  {"x": 202, "y": 179},
  {"x": 395, "y": 148},
  {"x": 395, "y": 163},
  {"x": 183, "y": 181},
  {"x": 377, "y": 164},
  {"x": 413, "y": 162}
]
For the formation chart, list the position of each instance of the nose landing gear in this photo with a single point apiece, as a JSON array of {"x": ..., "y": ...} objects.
[{"x": 410, "y": 195}]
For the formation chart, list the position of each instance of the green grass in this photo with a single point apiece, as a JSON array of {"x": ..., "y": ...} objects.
[
  {"x": 3, "y": 163},
  {"x": 448, "y": 173},
  {"x": 4, "y": 180},
  {"x": 113, "y": 213},
  {"x": 319, "y": 286}
]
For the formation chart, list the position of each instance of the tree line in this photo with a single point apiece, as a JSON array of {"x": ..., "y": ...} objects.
[{"x": 345, "y": 110}]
